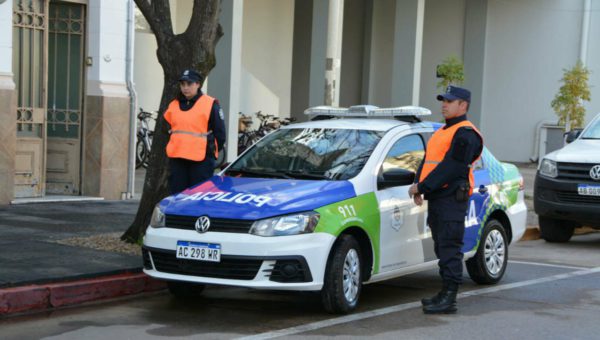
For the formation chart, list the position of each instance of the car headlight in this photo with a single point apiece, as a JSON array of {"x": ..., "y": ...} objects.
[
  {"x": 158, "y": 218},
  {"x": 286, "y": 225},
  {"x": 548, "y": 168}
]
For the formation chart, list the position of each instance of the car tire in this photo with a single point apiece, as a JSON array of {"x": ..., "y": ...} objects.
[
  {"x": 185, "y": 290},
  {"x": 343, "y": 277},
  {"x": 553, "y": 230},
  {"x": 490, "y": 260}
]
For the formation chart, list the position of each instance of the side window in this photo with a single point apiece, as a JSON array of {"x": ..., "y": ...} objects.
[{"x": 407, "y": 153}]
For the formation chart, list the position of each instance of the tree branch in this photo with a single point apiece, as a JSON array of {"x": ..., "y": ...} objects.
[{"x": 158, "y": 15}]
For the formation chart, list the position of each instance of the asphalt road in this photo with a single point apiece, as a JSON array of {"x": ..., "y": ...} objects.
[{"x": 550, "y": 291}]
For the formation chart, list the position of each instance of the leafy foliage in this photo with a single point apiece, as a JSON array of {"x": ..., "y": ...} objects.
[
  {"x": 568, "y": 102},
  {"x": 451, "y": 71}
]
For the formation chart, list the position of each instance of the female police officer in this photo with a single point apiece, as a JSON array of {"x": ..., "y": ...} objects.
[
  {"x": 446, "y": 180},
  {"x": 197, "y": 133}
]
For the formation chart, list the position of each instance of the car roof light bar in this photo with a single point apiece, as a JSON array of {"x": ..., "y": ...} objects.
[{"x": 367, "y": 111}]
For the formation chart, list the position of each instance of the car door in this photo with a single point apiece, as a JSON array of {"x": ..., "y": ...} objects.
[{"x": 403, "y": 223}]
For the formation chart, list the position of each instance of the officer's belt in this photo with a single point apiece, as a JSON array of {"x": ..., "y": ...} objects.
[
  {"x": 436, "y": 163},
  {"x": 195, "y": 134}
]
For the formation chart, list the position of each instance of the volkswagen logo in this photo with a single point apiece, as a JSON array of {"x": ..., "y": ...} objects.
[
  {"x": 202, "y": 224},
  {"x": 595, "y": 172}
]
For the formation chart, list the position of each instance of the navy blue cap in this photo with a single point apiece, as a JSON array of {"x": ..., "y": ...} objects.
[
  {"x": 190, "y": 75},
  {"x": 454, "y": 93}
]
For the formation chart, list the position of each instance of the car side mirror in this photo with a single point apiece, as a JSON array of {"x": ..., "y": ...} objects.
[
  {"x": 572, "y": 135},
  {"x": 395, "y": 177}
]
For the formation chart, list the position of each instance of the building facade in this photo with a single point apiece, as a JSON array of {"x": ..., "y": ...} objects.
[
  {"x": 70, "y": 72},
  {"x": 64, "y": 102}
]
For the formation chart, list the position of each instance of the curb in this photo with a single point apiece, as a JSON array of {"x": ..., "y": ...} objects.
[
  {"x": 37, "y": 298},
  {"x": 531, "y": 233}
]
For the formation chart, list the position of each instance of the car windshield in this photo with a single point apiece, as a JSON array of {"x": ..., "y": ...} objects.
[
  {"x": 311, "y": 153},
  {"x": 593, "y": 131}
]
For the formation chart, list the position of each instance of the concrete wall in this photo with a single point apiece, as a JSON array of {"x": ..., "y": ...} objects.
[
  {"x": 443, "y": 33},
  {"x": 593, "y": 61},
  {"x": 380, "y": 80},
  {"x": 353, "y": 51},
  {"x": 527, "y": 46},
  {"x": 106, "y": 117},
  {"x": 267, "y": 56}
]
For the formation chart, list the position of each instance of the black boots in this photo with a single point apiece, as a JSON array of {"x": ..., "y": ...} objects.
[{"x": 442, "y": 303}]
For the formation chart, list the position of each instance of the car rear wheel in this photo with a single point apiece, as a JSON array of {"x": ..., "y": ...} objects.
[
  {"x": 490, "y": 260},
  {"x": 185, "y": 289},
  {"x": 343, "y": 277},
  {"x": 553, "y": 230}
]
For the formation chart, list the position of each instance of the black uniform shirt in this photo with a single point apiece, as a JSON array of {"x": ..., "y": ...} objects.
[
  {"x": 216, "y": 121},
  {"x": 465, "y": 148}
]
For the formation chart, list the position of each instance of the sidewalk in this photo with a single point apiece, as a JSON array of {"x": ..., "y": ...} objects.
[{"x": 39, "y": 273}]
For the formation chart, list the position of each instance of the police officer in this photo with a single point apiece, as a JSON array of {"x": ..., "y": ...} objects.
[
  {"x": 197, "y": 133},
  {"x": 446, "y": 181}
]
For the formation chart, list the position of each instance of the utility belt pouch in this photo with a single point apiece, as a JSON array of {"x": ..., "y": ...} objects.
[{"x": 462, "y": 193}]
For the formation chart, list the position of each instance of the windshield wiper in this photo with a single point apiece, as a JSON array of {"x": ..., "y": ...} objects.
[
  {"x": 306, "y": 174},
  {"x": 260, "y": 173}
]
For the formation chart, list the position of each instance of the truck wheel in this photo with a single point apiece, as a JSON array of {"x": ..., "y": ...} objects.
[
  {"x": 490, "y": 260},
  {"x": 553, "y": 230},
  {"x": 343, "y": 278},
  {"x": 185, "y": 289}
]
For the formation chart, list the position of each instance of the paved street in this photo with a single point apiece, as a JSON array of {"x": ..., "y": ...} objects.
[{"x": 549, "y": 291}]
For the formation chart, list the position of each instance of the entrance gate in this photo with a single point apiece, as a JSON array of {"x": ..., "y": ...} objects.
[{"x": 48, "y": 52}]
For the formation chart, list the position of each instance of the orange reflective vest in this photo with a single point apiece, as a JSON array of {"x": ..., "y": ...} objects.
[
  {"x": 189, "y": 129},
  {"x": 438, "y": 146}
]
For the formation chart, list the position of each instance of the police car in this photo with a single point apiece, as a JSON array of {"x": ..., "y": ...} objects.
[{"x": 324, "y": 206}]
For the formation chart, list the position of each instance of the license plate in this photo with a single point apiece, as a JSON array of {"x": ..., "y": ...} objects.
[
  {"x": 588, "y": 190},
  {"x": 199, "y": 251}
]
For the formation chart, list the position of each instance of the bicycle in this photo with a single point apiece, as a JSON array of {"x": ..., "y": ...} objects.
[
  {"x": 144, "y": 139},
  {"x": 268, "y": 123}
]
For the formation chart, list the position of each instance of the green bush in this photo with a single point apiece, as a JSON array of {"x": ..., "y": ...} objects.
[
  {"x": 568, "y": 102},
  {"x": 451, "y": 71}
]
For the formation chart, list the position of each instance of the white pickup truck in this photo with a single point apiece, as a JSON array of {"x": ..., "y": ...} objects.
[{"x": 567, "y": 185}]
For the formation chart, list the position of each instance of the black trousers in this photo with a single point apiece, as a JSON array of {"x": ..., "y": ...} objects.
[
  {"x": 446, "y": 219},
  {"x": 185, "y": 173}
]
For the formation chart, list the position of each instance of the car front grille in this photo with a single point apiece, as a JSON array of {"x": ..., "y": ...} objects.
[
  {"x": 230, "y": 267},
  {"x": 146, "y": 259},
  {"x": 575, "y": 171},
  {"x": 573, "y": 197},
  {"x": 223, "y": 225}
]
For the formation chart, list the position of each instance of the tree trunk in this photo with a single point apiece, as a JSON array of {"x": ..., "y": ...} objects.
[{"x": 194, "y": 48}]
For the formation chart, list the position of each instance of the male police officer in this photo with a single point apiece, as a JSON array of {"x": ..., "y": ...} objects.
[{"x": 446, "y": 180}]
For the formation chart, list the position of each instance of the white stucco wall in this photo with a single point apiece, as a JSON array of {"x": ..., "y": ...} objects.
[
  {"x": 147, "y": 72},
  {"x": 107, "y": 38},
  {"x": 528, "y": 45},
  {"x": 593, "y": 61},
  {"x": 6, "y": 37},
  {"x": 380, "y": 77},
  {"x": 266, "y": 74},
  {"x": 443, "y": 33}
]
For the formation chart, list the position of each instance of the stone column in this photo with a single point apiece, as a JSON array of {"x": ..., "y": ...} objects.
[
  {"x": 333, "y": 63},
  {"x": 106, "y": 116},
  {"x": 8, "y": 106},
  {"x": 474, "y": 55},
  {"x": 225, "y": 78},
  {"x": 406, "y": 59}
]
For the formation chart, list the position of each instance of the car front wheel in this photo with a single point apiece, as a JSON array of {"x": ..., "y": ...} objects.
[
  {"x": 490, "y": 260},
  {"x": 343, "y": 279},
  {"x": 553, "y": 230}
]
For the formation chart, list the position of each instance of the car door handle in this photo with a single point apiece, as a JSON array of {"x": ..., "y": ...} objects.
[{"x": 483, "y": 189}]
